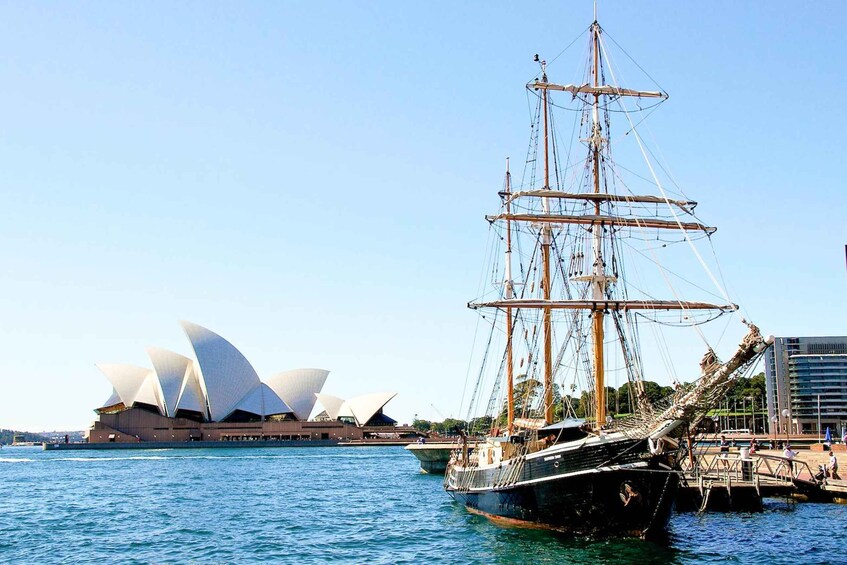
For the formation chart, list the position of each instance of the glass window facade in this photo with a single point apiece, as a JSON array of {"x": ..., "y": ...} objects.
[{"x": 806, "y": 378}]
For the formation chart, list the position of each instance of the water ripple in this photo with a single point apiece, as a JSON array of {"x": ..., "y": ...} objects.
[{"x": 319, "y": 505}]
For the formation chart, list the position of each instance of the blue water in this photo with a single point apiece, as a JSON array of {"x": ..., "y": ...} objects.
[{"x": 317, "y": 505}]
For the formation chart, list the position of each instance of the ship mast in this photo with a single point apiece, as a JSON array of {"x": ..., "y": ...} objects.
[
  {"x": 599, "y": 282},
  {"x": 546, "y": 240},
  {"x": 510, "y": 377},
  {"x": 545, "y": 221}
]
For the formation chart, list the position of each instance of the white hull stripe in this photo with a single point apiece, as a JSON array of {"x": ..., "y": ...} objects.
[{"x": 636, "y": 465}]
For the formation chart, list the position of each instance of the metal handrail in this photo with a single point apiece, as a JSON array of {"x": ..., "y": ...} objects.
[
  {"x": 790, "y": 469},
  {"x": 732, "y": 467}
]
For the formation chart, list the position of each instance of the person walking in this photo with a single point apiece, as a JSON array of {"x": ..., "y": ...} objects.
[
  {"x": 789, "y": 454},
  {"x": 724, "y": 445},
  {"x": 833, "y": 466}
]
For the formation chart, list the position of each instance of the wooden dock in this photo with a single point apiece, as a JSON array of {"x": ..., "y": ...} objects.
[{"x": 726, "y": 482}]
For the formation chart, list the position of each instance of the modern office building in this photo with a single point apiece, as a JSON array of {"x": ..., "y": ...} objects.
[
  {"x": 806, "y": 382},
  {"x": 217, "y": 396}
]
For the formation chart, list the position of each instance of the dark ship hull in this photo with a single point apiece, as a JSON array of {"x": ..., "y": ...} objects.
[{"x": 609, "y": 489}]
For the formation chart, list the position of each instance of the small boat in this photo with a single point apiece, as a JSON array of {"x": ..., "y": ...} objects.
[{"x": 579, "y": 296}]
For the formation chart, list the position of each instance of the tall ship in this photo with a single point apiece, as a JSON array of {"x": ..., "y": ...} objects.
[{"x": 596, "y": 278}]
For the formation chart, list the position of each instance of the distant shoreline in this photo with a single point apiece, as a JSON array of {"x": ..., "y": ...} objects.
[{"x": 219, "y": 444}]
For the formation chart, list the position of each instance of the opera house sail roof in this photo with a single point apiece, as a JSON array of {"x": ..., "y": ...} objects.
[
  {"x": 298, "y": 388},
  {"x": 171, "y": 369},
  {"x": 226, "y": 376},
  {"x": 221, "y": 385}
]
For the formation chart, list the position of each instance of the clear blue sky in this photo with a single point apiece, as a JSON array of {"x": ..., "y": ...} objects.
[{"x": 309, "y": 179}]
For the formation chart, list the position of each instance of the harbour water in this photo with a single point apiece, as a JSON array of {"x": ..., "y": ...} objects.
[{"x": 318, "y": 505}]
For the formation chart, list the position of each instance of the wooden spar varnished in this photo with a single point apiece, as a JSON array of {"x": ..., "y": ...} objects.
[
  {"x": 510, "y": 414},
  {"x": 684, "y": 205},
  {"x": 611, "y": 221},
  {"x": 620, "y": 305},
  {"x": 601, "y": 90},
  {"x": 599, "y": 284}
]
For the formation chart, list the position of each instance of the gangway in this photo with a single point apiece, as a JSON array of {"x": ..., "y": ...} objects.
[{"x": 735, "y": 482}]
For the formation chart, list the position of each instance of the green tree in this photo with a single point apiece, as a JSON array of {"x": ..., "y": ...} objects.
[
  {"x": 575, "y": 404},
  {"x": 656, "y": 392},
  {"x": 422, "y": 425},
  {"x": 743, "y": 388},
  {"x": 480, "y": 425},
  {"x": 448, "y": 426},
  {"x": 525, "y": 393},
  {"x": 626, "y": 399}
]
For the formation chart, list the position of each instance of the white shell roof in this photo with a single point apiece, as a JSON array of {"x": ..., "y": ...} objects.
[
  {"x": 126, "y": 379},
  {"x": 221, "y": 381},
  {"x": 297, "y": 388},
  {"x": 332, "y": 404},
  {"x": 191, "y": 395},
  {"x": 114, "y": 399},
  {"x": 263, "y": 401},
  {"x": 149, "y": 392},
  {"x": 273, "y": 404},
  {"x": 364, "y": 407},
  {"x": 225, "y": 374},
  {"x": 344, "y": 411},
  {"x": 171, "y": 369},
  {"x": 252, "y": 402}
]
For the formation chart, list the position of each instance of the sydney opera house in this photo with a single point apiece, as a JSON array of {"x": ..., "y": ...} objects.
[{"x": 217, "y": 396}]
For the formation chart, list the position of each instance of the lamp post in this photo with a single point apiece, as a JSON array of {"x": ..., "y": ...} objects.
[
  {"x": 785, "y": 414},
  {"x": 774, "y": 426},
  {"x": 735, "y": 413},
  {"x": 753, "y": 411},
  {"x": 764, "y": 405}
]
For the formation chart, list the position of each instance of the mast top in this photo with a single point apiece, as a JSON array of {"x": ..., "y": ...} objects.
[{"x": 543, "y": 64}]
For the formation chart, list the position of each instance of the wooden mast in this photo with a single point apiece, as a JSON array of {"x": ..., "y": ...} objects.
[
  {"x": 546, "y": 221},
  {"x": 546, "y": 240},
  {"x": 510, "y": 377},
  {"x": 599, "y": 273}
]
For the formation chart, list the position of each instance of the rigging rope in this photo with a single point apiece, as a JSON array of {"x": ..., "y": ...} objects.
[{"x": 662, "y": 190}]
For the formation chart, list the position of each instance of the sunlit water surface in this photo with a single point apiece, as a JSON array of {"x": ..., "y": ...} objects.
[{"x": 317, "y": 505}]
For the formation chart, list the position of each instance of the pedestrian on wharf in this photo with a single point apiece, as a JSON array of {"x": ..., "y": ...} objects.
[
  {"x": 833, "y": 467},
  {"x": 789, "y": 454},
  {"x": 724, "y": 445}
]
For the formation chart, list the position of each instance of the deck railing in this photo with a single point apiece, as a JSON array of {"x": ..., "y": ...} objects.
[{"x": 732, "y": 467}]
